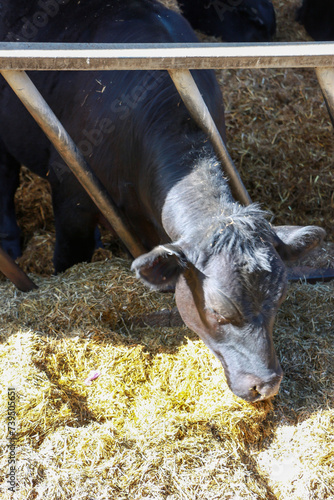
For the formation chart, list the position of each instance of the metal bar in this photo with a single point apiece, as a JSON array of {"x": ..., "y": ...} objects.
[
  {"x": 14, "y": 273},
  {"x": 78, "y": 56},
  {"x": 310, "y": 274},
  {"x": 44, "y": 116},
  {"x": 326, "y": 81},
  {"x": 193, "y": 100}
]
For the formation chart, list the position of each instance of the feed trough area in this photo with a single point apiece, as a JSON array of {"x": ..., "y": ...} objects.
[{"x": 115, "y": 399}]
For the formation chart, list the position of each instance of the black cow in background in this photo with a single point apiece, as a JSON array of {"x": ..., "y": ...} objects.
[
  {"x": 232, "y": 20},
  {"x": 317, "y": 16},
  {"x": 12, "y": 14},
  {"x": 224, "y": 260}
]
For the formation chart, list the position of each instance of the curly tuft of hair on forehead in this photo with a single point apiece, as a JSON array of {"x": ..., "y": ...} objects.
[{"x": 245, "y": 233}]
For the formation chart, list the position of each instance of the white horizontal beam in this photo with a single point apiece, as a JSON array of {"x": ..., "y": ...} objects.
[{"x": 60, "y": 56}]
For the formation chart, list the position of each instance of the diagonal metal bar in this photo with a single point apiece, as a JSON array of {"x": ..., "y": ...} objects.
[
  {"x": 192, "y": 98},
  {"x": 326, "y": 81},
  {"x": 310, "y": 274},
  {"x": 14, "y": 273},
  {"x": 46, "y": 119}
]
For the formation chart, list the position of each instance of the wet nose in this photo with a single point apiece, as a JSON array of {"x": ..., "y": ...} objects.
[
  {"x": 257, "y": 389},
  {"x": 266, "y": 390}
]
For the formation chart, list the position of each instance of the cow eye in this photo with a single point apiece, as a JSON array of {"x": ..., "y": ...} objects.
[{"x": 222, "y": 320}]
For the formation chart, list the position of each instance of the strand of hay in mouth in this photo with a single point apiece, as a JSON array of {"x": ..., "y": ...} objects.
[{"x": 159, "y": 422}]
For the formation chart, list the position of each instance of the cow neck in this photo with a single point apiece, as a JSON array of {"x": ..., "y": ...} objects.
[{"x": 194, "y": 204}]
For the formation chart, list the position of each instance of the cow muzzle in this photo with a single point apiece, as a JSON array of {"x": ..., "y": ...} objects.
[{"x": 253, "y": 388}]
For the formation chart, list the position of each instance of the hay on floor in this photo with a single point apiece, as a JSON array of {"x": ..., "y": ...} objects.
[{"x": 159, "y": 421}]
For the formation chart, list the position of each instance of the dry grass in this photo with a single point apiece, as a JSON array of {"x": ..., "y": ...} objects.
[{"x": 159, "y": 422}]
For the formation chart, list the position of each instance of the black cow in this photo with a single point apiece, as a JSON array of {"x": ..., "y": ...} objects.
[
  {"x": 232, "y": 20},
  {"x": 317, "y": 16},
  {"x": 223, "y": 259}
]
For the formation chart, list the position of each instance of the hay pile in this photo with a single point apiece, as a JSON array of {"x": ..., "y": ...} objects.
[{"x": 159, "y": 422}]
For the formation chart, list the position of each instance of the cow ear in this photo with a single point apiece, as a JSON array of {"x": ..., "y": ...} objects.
[
  {"x": 160, "y": 268},
  {"x": 293, "y": 242}
]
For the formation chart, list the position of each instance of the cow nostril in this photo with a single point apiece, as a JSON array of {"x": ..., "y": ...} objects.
[
  {"x": 258, "y": 389},
  {"x": 265, "y": 391},
  {"x": 256, "y": 395}
]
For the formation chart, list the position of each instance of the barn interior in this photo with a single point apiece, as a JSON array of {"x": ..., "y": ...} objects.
[{"x": 159, "y": 421}]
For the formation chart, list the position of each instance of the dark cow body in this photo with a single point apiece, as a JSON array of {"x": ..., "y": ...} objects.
[
  {"x": 232, "y": 20},
  {"x": 317, "y": 16},
  {"x": 223, "y": 259}
]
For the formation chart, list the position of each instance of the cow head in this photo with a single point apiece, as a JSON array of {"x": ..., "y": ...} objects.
[{"x": 229, "y": 291}]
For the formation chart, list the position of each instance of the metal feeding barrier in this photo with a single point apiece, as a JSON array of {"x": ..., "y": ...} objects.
[{"x": 178, "y": 60}]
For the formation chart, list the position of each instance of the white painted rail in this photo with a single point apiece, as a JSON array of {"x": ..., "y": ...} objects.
[{"x": 60, "y": 56}]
